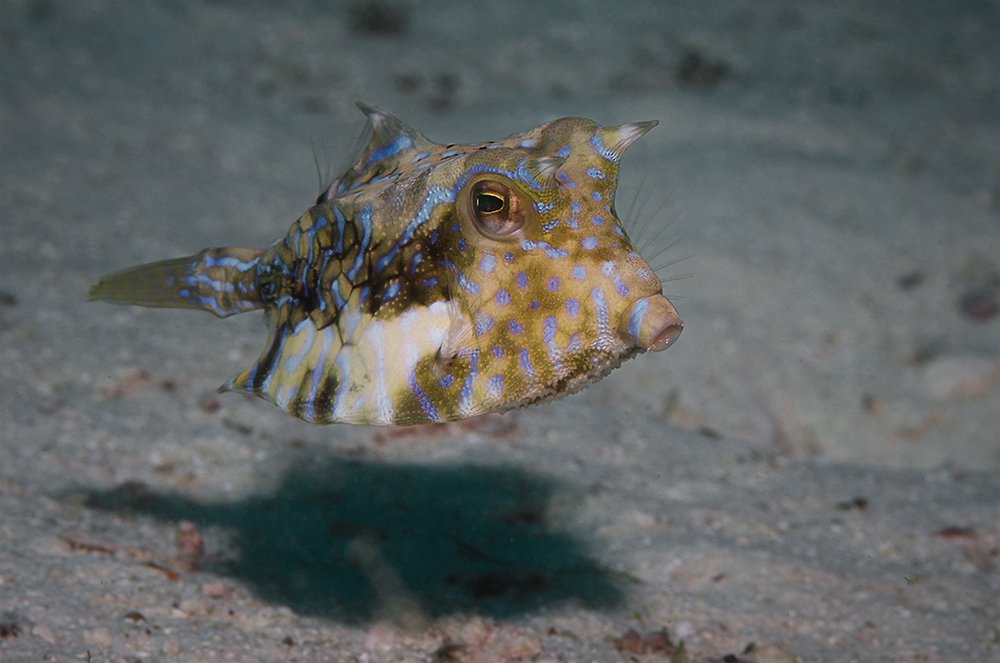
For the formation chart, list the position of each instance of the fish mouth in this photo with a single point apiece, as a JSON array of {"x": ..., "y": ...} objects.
[
  {"x": 601, "y": 365},
  {"x": 652, "y": 324}
]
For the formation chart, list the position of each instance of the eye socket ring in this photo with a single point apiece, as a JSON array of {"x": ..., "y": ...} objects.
[{"x": 495, "y": 209}]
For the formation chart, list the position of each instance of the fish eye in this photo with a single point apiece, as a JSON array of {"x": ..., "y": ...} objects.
[
  {"x": 496, "y": 210},
  {"x": 488, "y": 202}
]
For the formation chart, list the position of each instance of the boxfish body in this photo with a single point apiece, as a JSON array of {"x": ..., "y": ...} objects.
[{"x": 433, "y": 283}]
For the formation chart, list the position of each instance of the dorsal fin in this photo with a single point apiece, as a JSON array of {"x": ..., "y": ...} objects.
[{"x": 390, "y": 144}]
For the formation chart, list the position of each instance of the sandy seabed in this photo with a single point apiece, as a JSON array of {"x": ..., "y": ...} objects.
[{"x": 808, "y": 475}]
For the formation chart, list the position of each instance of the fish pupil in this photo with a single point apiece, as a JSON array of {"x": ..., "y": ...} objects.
[{"x": 489, "y": 203}]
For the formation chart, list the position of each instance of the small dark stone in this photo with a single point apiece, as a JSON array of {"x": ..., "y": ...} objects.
[
  {"x": 910, "y": 280},
  {"x": 9, "y": 627},
  {"x": 315, "y": 104},
  {"x": 638, "y": 644},
  {"x": 409, "y": 83},
  {"x": 927, "y": 350},
  {"x": 859, "y": 503},
  {"x": 870, "y": 403},
  {"x": 237, "y": 427},
  {"x": 379, "y": 18},
  {"x": 697, "y": 70},
  {"x": 447, "y": 652},
  {"x": 979, "y": 305}
]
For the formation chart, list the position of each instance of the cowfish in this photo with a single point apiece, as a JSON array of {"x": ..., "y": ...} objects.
[{"x": 433, "y": 283}]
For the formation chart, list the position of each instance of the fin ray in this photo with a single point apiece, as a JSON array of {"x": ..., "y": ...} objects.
[{"x": 220, "y": 280}]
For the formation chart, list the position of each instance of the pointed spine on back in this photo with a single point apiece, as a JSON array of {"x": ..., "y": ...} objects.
[
  {"x": 390, "y": 146},
  {"x": 222, "y": 281}
]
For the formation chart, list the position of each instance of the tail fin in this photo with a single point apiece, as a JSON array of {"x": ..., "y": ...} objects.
[{"x": 223, "y": 281}]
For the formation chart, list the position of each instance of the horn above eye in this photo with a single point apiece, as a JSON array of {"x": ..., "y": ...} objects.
[{"x": 496, "y": 210}]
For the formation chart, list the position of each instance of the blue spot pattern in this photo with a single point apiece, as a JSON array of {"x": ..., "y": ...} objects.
[
  {"x": 366, "y": 225},
  {"x": 435, "y": 196},
  {"x": 425, "y": 402},
  {"x": 635, "y": 319},
  {"x": 524, "y": 359},
  {"x": 526, "y": 177},
  {"x": 552, "y": 252},
  {"x": 521, "y": 175},
  {"x": 337, "y": 297},
  {"x": 549, "y": 329},
  {"x": 395, "y": 147},
  {"x": 473, "y": 373},
  {"x": 602, "y": 307},
  {"x": 484, "y": 325},
  {"x": 572, "y": 223},
  {"x": 341, "y": 222},
  {"x": 464, "y": 282},
  {"x": 229, "y": 261},
  {"x": 599, "y": 147}
]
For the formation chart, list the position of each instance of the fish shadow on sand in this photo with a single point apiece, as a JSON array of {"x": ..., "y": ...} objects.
[{"x": 356, "y": 541}]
